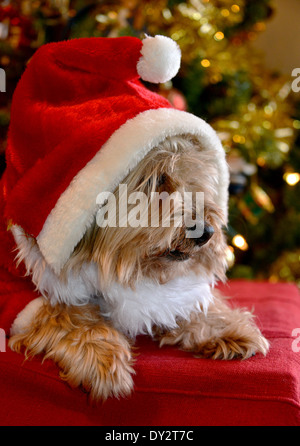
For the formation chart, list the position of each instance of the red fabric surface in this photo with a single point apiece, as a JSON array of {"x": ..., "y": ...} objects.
[{"x": 171, "y": 387}]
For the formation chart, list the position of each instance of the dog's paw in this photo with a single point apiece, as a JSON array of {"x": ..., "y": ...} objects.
[
  {"x": 219, "y": 335},
  {"x": 231, "y": 346},
  {"x": 98, "y": 360},
  {"x": 90, "y": 353},
  {"x": 239, "y": 337}
]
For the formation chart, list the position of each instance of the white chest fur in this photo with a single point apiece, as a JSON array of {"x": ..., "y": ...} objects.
[{"x": 136, "y": 311}]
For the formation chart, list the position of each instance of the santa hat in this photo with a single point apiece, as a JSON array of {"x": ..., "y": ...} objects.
[{"x": 80, "y": 122}]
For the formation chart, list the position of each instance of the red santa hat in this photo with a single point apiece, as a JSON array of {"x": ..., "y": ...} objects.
[{"x": 80, "y": 122}]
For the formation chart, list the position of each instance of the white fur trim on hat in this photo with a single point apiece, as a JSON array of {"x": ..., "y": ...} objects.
[
  {"x": 160, "y": 60},
  {"x": 76, "y": 208}
]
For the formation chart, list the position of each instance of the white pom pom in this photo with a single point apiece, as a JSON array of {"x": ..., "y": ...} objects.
[{"x": 160, "y": 60}]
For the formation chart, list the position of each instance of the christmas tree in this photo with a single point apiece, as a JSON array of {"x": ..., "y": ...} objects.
[{"x": 223, "y": 80}]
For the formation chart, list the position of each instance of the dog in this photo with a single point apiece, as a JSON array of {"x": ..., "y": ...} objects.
[
  {"x": 93, "y": 130},
  {"x": 142, "y": 280}
]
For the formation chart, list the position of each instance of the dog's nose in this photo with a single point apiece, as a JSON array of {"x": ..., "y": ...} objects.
[{"x": 207, "y": 234}]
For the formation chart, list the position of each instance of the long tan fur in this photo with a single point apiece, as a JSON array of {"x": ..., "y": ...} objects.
[{"x": 89, "y": 351}]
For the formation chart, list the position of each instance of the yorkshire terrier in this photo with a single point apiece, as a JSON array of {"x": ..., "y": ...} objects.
[{"x": 124, "y": 281}]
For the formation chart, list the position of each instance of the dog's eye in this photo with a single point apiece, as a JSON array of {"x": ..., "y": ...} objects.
[{"x": 161, "y": 180}]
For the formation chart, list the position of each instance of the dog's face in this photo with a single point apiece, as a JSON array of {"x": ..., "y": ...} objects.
[{"x": 127, "y": 254}]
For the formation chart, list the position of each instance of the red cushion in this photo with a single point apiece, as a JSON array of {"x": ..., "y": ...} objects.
[{"x": 171, "y": 387}]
